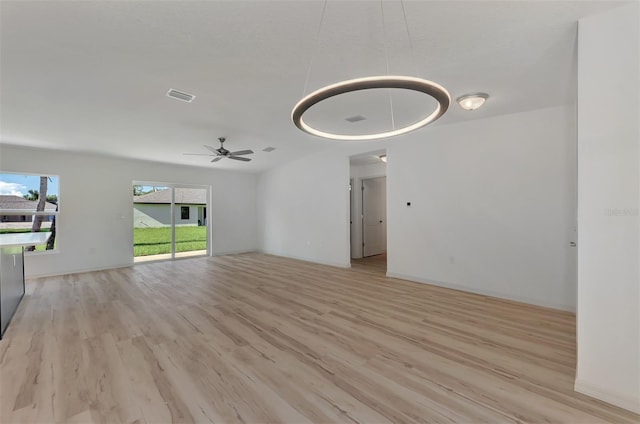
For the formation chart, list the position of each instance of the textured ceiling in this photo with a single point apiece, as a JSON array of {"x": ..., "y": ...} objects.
[{"x": 92, "y": 76}]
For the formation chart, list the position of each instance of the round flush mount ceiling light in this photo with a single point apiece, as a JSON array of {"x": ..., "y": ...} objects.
[
  {"x": 472, "y": 101},
  {"x": 429, "y": 88}
]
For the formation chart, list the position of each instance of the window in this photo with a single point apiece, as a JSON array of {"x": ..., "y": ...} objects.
[
  {"x": 29, "y": 203},
  {"x": 184, "y": 212}
]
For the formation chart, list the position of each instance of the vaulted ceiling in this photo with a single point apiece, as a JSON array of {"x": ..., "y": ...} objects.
[{"x": 92, "y": 75}]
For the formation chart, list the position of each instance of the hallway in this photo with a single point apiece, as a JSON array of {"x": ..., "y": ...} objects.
[{"x": 374, "y": 264}]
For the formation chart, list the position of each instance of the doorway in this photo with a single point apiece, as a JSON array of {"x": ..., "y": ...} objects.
[
  {"x": 169, "y": 221},
  {"x": 374, "y": 216},
  {"x": 368, "y": 210}
]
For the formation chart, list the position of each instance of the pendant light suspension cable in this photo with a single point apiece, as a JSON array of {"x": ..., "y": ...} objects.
[
  {"x": 406, "y": 26},
  {"x": 430, "y": 88},
  {"x": 315, "y": 50},
  {"x": 386, "y": 56}
]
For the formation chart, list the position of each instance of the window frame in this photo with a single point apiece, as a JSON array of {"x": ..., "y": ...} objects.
[
  {"x": 174, "y": 217},
  {"x": 33, "y": 213},
  {"x": 184, "y": 209}
]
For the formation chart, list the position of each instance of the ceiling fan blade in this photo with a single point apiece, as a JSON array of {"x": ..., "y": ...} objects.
[
  {"x": 197, "y": 154},
  {"x": 216, "y": 159},
  {"x": 242, "y": 152},
  {"x": 213, "y": 149},
  {"x": 239, "y": 158}
]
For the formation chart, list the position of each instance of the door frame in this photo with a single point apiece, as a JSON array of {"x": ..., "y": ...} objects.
[
  {"x": 357, "y": 184},
  {"x": 173, "y": 187}
]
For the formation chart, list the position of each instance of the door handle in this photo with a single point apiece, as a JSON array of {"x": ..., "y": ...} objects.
[{"x": 572, "y": 243}]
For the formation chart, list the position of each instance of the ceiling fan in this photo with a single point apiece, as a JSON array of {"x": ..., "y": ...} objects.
[{"x": 221, "y": 152}]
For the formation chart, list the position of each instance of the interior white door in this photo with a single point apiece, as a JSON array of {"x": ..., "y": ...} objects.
[{"x": 374, "y": 216}]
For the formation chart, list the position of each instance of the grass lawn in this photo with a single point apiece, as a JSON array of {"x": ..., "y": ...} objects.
[
  {"x": 151, "y": 241},
  {"x": 40, "y": 247},
  {"x": 156, "y": 241}
]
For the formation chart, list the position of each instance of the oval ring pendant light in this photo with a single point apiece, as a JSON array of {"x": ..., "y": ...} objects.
[
  {"x": 367, "y": 83},
  {"x": 436, "y": 91}
]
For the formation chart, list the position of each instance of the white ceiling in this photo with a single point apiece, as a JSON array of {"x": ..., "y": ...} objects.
[
  {"x": 369, "y": 158},
  {"x": 92, "y": 76}
]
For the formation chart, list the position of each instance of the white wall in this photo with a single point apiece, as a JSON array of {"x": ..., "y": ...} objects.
[
  {"x": 96, "y": 212},
  {"x": 304, "y": 209},
  {"x": 608, "y": 191},
  {"x": 494, "y": 196},
  {"x": 358, "y": 173},
  {"x": 492, "y": 207}
]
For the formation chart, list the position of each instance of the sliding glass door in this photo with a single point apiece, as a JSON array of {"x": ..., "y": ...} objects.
[
  {"x": 169, "y": 221},
  {"x": 190, "y": 212}
]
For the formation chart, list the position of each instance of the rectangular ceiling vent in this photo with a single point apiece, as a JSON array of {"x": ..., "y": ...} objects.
[
  {"x": 356, "y": 118},
  {"x": 185, "y": 97},
  {"x": 268, "y": 149}
]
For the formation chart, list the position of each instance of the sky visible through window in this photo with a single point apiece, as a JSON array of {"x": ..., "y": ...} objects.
[
  {"x": 149, "y": 189},
  {"x": 20, "y": 184}
]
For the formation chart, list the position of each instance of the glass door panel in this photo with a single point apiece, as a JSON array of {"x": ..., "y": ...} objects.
[
  {"x": 152, "y": 222},
  {"x": 190, "y": 211}
]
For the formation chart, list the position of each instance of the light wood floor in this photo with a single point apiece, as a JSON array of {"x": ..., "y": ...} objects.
[
  {"x": 254, "y": 338},
  {"x": 373, "y": 264}
]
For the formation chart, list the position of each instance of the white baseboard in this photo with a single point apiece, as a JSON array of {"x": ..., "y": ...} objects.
[
  {"x": 234, "y": 252},
  {"x": 622, "y": 400},
  {"x": 302, "y": 258},
  {"x": 82, "y": 270},
  {"x": 492, "y": 293},
  {"x": 76, "y": 271}
]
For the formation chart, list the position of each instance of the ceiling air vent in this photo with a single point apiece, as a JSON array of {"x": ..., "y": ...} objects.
[
  {"x": 356, "y": 118},
  {"x": 185, "y": 97},
  {"x": 268, "y": 149}
]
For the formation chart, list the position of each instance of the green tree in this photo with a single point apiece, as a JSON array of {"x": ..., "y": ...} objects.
[
  {"x": 52, "y": 238},
  {"x": 37, "y": 219},
  {"x": 42, "y": 197},
  {"x": 32, "y": 195},
  {"x": 35, "y": 195}
]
